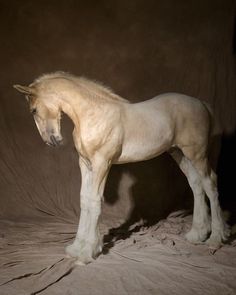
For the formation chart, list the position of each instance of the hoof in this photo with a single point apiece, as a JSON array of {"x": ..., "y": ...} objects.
[
  {"x": 82, "y": 256},
  {"x": 83, "y": 260},
  {"x": 216, "y": 240},
  {"x": 214, "y": 243},
  {"x": 73, "y": 250},
  {"x": 195, "y": 236},
  {"x": 84, "y": 252}
]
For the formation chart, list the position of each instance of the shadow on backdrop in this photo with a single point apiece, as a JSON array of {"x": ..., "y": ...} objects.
[{"x": 226, "y": 175}]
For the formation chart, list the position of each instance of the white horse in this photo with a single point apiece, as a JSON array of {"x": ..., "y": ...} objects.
[{"x": 110, "y": 130}]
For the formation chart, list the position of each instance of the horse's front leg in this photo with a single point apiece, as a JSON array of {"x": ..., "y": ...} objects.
[{"x": 87, "y": 244}]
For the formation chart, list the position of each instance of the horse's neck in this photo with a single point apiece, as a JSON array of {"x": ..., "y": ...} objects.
[
  {"x": 75, "y": 106},
  {"x": 71, "y": 106}
]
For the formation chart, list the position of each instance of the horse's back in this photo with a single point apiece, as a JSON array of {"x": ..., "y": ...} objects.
[
  {"x": 170, "y": 101},
  {"x": 176, "y": 107},
  {"x": 153, "y": 126}
]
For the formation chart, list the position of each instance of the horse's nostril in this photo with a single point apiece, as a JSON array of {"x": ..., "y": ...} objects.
[
  {"x": 55, "y": 140},
  {"x": 60, "y": 141}
]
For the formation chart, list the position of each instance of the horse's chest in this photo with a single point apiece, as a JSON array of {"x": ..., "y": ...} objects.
[
  {"x": 81, "y": 145},
  {"x": 77, "y": 141},
  {"x": 91, "y": 141}
]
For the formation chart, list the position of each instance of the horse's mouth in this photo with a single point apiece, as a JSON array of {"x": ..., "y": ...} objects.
[{"x": 54, "y": 141}]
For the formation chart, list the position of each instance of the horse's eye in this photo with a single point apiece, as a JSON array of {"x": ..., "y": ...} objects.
[{"x": 33, "y": 111}]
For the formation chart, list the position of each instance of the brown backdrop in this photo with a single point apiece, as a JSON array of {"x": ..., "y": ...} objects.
[{"x": 139, "y": 48}]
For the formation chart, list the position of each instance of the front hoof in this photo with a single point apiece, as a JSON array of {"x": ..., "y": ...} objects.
[
  {"x": 97, "y": 250},
  {"x": 218, "y": 237},
  {"x": 196, "y": 236},
  {"x": 214, "y": 243},
  {"x": 73, "y": 250},
  {"x": 83, "y": 260},
  {"x": 83, "y": 251},
  {"x": 82, "y": 255}
]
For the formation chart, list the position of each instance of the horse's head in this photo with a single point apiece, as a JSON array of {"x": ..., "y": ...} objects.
[{"x": 46, "y": 114}]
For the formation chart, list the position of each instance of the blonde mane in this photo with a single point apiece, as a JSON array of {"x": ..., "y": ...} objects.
[{"x": 93, "y": 89}]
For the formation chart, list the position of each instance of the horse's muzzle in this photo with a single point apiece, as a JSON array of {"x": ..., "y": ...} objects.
[{"x": 54, "y": 141}]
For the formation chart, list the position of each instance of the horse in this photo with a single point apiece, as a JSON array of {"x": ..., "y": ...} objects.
[{"x": 109, "y": 129}]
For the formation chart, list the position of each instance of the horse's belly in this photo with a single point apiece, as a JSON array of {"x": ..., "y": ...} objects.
[
  {"x": 143, "y": 149},
  {"x": 148, "y": 132},
  {"x": 133, "y": 155}
]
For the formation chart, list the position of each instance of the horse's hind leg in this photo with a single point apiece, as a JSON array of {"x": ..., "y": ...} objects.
[
  {"x": 219, "y": 229},
  {"x": 201, "y": 221}
]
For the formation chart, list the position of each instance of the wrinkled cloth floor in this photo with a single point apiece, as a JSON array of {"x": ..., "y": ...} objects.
[{"x": 152, "y": 260}]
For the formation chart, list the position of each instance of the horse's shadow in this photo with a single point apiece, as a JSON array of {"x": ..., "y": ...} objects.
[
  {"x": 156, "y": 188},
  {"x": 226, "y": 176}
]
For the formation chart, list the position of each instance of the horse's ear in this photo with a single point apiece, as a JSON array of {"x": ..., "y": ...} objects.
[{"x": 24, "y": 89}]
